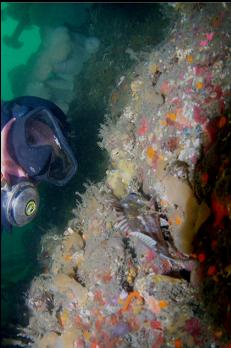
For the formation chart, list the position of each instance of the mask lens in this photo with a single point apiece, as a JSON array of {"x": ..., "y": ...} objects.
[
  {"x": 43, "y": 129},
  {"x": 60, "y": 165}
]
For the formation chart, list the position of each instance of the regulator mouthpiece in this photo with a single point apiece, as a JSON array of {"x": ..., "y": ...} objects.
[{"x": 20, "y": 204}]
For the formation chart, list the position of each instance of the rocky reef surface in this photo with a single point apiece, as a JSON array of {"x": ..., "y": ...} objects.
[{"x": 146, "y": 260}]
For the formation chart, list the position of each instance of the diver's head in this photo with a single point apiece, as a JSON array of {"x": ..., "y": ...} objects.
[{"x": 34, "y": 149}]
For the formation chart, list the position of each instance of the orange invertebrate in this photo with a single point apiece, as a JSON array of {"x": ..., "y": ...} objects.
[
  {"x": 151, "y": 153},
  {"x": 133, "y": 294}
]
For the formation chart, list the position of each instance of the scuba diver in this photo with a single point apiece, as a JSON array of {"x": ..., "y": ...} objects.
[{"x": 33, "y": 149}]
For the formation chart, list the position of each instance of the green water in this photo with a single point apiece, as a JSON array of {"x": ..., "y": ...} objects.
[{"x": 12, "y": 57}]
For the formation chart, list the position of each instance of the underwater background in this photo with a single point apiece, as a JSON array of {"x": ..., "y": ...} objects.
[
  {"x": 117, "y": 27},
  {"x": 135, "y": 248}
]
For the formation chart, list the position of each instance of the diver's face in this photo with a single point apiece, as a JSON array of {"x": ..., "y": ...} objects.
[
  {"x": 9, "y": 166},
  {"x": 40, "y": 134}
]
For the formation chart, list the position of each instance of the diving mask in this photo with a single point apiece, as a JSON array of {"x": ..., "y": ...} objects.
[{"x": 39, "y": 146}]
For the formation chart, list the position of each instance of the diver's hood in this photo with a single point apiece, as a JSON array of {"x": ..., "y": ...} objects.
[{"x": 40, "y": 148}]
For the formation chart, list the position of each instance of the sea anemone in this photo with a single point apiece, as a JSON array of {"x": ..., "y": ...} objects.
[
  {"x": 92, "y": 45},
  {"x": 57, "y": 44}
]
